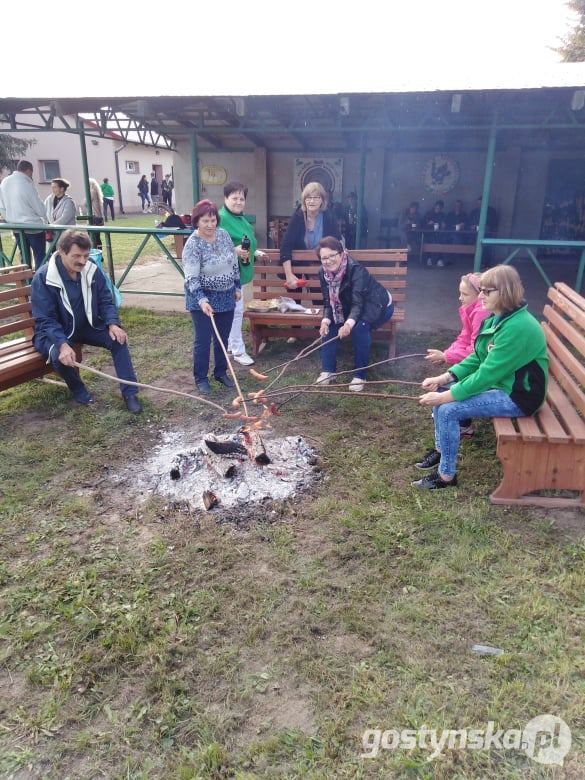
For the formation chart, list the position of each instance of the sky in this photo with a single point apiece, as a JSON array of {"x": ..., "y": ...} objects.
[{"x": 189, "y": 47}]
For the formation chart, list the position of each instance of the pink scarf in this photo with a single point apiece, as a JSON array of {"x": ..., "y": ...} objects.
[{"x": 334, "y": 281}]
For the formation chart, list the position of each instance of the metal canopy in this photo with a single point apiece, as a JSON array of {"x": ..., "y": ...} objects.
[{"x": 305, "y": 123}]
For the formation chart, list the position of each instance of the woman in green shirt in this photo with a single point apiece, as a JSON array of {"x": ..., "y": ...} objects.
[{"x": 241, "y": 232}]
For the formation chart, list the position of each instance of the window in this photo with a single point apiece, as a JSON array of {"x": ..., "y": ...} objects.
[
  {"x": 132, "y": 166},
  {"x": 50, "y": 170}
]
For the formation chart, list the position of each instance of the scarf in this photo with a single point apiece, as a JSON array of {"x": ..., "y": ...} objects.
[
  {"x": 334, "y": 281},
  {"x": 238, "y": 226}
]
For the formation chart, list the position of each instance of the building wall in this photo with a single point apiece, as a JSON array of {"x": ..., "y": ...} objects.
[
  {"x": 65, "y": 147},
  {"x": 518, "y": 183}
]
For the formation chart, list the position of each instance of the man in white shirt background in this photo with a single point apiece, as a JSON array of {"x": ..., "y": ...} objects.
[{"x": 20, "y": 204}]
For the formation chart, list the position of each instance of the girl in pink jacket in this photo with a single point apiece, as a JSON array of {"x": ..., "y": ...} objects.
[{"x": 471, "y": 314}]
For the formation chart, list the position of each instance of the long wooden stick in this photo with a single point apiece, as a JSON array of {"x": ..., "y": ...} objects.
[
  {"x": 117, "y": 380},
  {"x": 231, "y": 368}
]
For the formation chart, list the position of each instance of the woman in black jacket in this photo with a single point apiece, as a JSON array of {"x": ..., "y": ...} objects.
[
  {"x": 310, "y": 222},
  {"x": 354, "y": 304}
]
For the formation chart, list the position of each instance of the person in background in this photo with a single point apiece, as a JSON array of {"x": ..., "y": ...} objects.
[
  {"x": 309, "y": 223},
  {"x": 435, "y": 220},
  {"x": 71, "y": 304},
  {"x": 154, "y": 187},
  {"x": 60, "y": 207},
  {"x": 20, "y": 204},
  {"x": 212, "y": 288},
  {"x": 505, "y": 376},
  {"x": 456, "y": 221},
  {"x": 410, "y": 227},
  {"x": 235, "y": 223},
  {"x": 167, "y": 190},
  {"x": 354, "y": 304},
  {"x": 351, "y": 220},
  {"x": 97, "y": 208},
  {"x": 143, "y": 194},
  {"x": 108, "y": 193}
]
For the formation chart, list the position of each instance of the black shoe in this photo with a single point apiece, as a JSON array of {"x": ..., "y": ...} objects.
[
  {"x": 203, "y": 387},
  {"x": 434, "y": 482},
  {"x": 133, "y": 404},
  {"x": 83, "y": 397},
  {"x": 430, "y": 459},
  {"x": 225, "y": 380}
]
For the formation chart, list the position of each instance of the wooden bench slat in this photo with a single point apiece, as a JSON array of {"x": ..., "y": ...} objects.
[
  {"x": 505, "y": 429},
  {"x": 574, "y": 312},
  {"x": 12, "y": 311},
  {"x": 15, "y": 276},
  {"x": 15, "y": 327},
  {"x": 15, "y": 293},
  {"x": 551, "y": 426},
  {"x": 571, "y": 294},
  {"x": 529, "y": 429},
  {"x": 573, "y": 423},
  {"x": 561, "y": 363},
  {"x": 6, "y": 357}
]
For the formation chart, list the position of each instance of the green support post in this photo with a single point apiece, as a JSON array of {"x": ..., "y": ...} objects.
[
  {"x": 485, "y": 197},
  {"x": 195, "y": 167},
  {"x": 360, "y": 194},
  {"x": 84, "y": 166}
]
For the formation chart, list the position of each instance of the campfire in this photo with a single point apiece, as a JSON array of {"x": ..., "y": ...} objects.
[{"x": 228, "y": 470}]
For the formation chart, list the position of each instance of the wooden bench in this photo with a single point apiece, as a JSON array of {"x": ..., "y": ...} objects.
[
  {"x": 19, "y": 360},
  {"x": 388, "y": 266},
  {"x": 547, "y": 451},
  {"x": 431, "y": 248}
]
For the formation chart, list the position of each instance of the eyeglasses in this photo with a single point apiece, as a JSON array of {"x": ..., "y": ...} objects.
[
  {"x": 329, "y": 258},
  {"x": 487, "y": 290},
  {"x": 313, "y": 197}
]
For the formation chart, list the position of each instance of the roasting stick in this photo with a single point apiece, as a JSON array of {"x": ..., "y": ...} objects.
[
  {"x": 150, "y": 387},
  {"x": 233, "y": 373}
]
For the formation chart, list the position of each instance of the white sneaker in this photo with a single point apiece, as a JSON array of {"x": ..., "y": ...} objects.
[
  {"x": 292, "y": 340},
  {"x": 357, "y": 384},
  {"x": 243, "y": 359},
  {"x": 324, "y": 378},
  {"x": 440, "y": 264}
]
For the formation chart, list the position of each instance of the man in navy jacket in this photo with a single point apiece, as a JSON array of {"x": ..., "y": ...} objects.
[{"x": 71, "y": 304}]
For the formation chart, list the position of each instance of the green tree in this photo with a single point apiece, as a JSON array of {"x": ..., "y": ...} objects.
[
  {"x": 572, "y": 48},
  {"x": 12, "y": 149}
]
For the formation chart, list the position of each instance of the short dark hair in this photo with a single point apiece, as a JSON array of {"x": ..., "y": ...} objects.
[
  {"x": 439, "y": 203},
  {"x": 234, "y": 186},
  {"x": 201, "y": 209},
  {"x": 24, "y": 165},
  {"x": 106, "y": 180},
  {"x": 329, "y": 242},
  {"x": 61, "y": 182},
  {"x": 70, "y": 237}
]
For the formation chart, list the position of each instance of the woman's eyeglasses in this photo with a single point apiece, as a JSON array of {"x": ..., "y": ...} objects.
[
  {"x": 329, "y": 258},
  {"x": 487, "y": 290},
  {"x": 313, "y": 197}
]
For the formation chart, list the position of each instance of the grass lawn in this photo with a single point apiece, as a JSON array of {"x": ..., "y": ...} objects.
[
  {"x": 123, "y": 245},
  {"x": 149, "y": 640}
]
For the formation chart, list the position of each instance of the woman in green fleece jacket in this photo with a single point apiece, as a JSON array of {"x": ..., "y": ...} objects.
[
  {"x": 234, "y": 221},
  {"x": 505, "y": 376}
]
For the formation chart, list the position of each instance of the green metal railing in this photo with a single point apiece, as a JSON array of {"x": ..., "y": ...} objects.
[
  {"x": 149, "y": 235},
  {"x": 531, "y": 246}
]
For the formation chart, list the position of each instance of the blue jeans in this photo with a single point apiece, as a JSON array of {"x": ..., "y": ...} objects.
[
  {"x": 361, "y": 337},
  {"x": 144, "y": 198},
  {"x": 36, "y": 244},
  {"x": 97, "y": 338},
  {"x": 492, "y": 403},
  {"x": 202, "y": 342}
]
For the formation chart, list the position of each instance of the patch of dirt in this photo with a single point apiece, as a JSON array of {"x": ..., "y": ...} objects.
[
  {"x": 567, "y": 524},
  {"x": 348, "y": 644},
  {"x": 277, "y": 704},
  {"x": 13, "y": 686}
]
